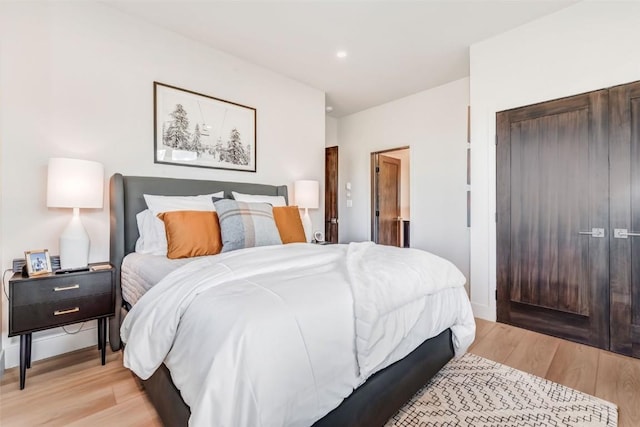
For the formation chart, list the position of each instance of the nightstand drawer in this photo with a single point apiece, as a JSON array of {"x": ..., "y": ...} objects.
[
  {"x": 51, "y": 314},
  {"x": 59, "y": 288}
]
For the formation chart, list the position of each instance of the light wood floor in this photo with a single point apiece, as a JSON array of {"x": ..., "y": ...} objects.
[{"x": 74, "y": 389}]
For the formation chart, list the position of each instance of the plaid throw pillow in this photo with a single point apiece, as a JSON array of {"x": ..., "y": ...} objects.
[{"x": 246, "y": 225}]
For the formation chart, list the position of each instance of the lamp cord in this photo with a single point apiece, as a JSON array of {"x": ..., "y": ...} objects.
[
  {"x": 4, "y": 282},
  {"x": 74, "y": 332}
]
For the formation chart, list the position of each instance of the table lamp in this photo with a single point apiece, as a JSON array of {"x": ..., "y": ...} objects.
[
  {"x": 76, "y": 184},
  {"x": 307, "y": 197}
]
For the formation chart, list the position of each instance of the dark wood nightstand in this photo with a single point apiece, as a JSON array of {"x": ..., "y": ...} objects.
[{"x": 52, "y": 300}]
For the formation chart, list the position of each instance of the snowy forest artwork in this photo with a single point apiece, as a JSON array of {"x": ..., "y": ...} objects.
[{"x": 192, "y": 129}]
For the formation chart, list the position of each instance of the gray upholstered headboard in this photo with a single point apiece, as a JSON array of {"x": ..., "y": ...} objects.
[{"x": 126, "y": 200}]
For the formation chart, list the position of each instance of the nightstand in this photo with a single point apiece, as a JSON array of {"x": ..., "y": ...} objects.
[{"x": 44, "y": 302}]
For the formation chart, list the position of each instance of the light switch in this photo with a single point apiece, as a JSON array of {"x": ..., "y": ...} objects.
[
  {"x": 349, "y": 203},
  {"x": 348, "y": 186}
]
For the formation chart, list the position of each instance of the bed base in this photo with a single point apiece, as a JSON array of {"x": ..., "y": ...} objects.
[{"x": 371, "y": 405}]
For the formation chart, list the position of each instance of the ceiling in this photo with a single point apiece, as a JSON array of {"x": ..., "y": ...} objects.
[{"x": 394, "y": 48}]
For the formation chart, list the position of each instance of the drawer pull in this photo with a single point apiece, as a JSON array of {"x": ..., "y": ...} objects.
[
  {"x": 61, "y": 312},
  {"x": 65, "y": 288}
]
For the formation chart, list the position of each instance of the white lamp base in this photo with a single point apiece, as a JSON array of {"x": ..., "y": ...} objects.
[
  {"x": 307, "y": 225},
  {"x": 74, "y": 244}
]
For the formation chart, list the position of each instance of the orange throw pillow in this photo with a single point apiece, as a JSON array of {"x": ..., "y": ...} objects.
[
  {"x": 289, "y": 224},
  {"x": 191, "y": 233}
]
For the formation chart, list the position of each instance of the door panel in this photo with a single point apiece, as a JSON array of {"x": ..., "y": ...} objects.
[
  {"x": 388, "y": 200},
  {"x": 547, "y": 245},
  {"x": 551, "y": 227},
  {"x": 331, "y": 194},
  {"x": 552, "y": 161},
  {"x": 625, "y": 207},
  {"x": 573, "y": 212}
]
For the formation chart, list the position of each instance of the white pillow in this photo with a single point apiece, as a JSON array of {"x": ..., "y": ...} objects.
[
  {"x": 275, "y": 201},
  {"x": 159, "y": 204},
  {"x": 153, "y": 238}
]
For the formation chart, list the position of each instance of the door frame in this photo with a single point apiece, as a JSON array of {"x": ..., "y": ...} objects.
[{"x": 374, "y": 187}]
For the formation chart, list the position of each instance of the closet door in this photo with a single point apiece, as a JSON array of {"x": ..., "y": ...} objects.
[
  {"x": 625, "y": 215},
  {"x": 553, "y": 217}
]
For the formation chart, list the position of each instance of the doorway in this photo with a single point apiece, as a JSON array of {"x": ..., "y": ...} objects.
[
  {"x": 390, "y": 201},
  {"x": 331, "y": 194}
]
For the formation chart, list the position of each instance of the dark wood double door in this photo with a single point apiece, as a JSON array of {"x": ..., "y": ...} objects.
[{"x": 568, "y": 205}]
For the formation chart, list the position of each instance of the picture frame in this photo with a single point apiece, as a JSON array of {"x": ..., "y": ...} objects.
[
  {"x": 468, "y": 208},
  {"x": 468, "y": 166},
  {"x": 193, "y": 129},
  {"x": 468, "y": 124},
  {"x": 38, "y": 262}
]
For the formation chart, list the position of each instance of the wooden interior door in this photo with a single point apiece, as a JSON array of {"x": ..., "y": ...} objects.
[
  {"x": 331, "y": 194},
  {"x": 388, "y": 211},
  {"x": 553, "y": 185},
  {"x": 624, "y": 137}
]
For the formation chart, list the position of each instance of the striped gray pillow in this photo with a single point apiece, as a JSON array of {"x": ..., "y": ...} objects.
[{"x": 246, "y": 225}]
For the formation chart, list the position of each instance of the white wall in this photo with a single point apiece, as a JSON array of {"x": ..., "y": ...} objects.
[
  {"x": 77, "y": 80},
  {"x": 331, "y": 132},
  {"x": 433, "y": 123},
  {"x": 588, "y": 46}
]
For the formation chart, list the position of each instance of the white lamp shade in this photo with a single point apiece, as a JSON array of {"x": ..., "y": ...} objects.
[
  {"x": 75, "y": 183},
  {"x": 307, "y": 194}
]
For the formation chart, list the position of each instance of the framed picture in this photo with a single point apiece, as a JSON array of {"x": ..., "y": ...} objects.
[
  {"x": 468, "y": 166},
  {"x": 38, "y": 262},
  {"x": 469, "y": 124},
  {"x": 192, "y": 129},
  {"x": 468, "y": 208}
]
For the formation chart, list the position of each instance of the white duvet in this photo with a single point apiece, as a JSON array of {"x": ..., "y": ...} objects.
[{"x": 280, "y": 335}]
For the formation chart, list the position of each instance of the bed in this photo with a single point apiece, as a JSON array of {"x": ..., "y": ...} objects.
[{"x": 372, "y": 403}]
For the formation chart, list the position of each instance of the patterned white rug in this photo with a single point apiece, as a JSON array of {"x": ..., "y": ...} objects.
[{"x": 473, "y": 391}]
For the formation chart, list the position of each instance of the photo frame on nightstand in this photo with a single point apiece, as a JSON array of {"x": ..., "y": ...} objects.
[{"x": 38, "y": 262}]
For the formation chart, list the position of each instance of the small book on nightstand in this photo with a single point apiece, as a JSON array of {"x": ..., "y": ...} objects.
[{"x": 100, "y": 267}]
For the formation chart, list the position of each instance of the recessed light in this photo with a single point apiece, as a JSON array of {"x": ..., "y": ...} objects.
[{"x": 341, "y": 54}]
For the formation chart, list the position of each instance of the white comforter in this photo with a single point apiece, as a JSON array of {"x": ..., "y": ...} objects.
[{"x": 280, "y": 335}]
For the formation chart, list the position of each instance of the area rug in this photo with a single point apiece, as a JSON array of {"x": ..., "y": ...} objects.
[{"x": 473, "y": 391}]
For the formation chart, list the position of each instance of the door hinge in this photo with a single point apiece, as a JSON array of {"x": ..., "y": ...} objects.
[
  {"x": 496, "y": 217},
  {"x": 377, "y": 169},
  {"x": 496, "y": 295},
  {"x": 377, "y": 213},
  {"x": 496, "y": 139}
]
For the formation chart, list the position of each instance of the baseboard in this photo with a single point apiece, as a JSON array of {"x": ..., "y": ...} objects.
[
  {"x": 47, "y": 346},
  {"x": 1, "y": 364},
  {"x": 484, "y": 312}
]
